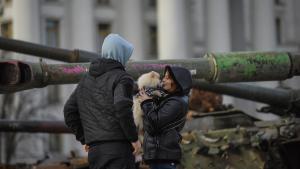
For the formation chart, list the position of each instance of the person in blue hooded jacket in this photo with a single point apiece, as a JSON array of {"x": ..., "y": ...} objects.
[
  {"x": 99, "y": 110},
  {"x": 165, "y": 118}
]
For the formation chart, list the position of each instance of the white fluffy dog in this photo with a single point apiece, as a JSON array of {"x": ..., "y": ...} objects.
[{"x": 147, "y": 80}]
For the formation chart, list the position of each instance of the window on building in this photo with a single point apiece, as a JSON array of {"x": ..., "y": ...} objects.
[
  {"x": 1, "y": 8},
  {"x": 279, "y": 2},
  {"x": 278, "y": 29},
  {"x": 152, "y": 3},
  {"x": 53, "y": 94},
  {"x": 52, "y": 39},
  {"x": 6, "y": 29},
  {"x": 55, "y": 142},
  {"x": 103, "y": 30},
  {"x": 51, "y": 1},
  {"x": 52, "y": 32},
  {"x": 7, "y": 2},
  {"x": 103, "y": 2},
  {"x": 153, "y": 41},
  {"x": 7, "y": 32}
]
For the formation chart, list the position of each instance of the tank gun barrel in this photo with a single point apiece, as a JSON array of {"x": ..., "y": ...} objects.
[
  {"x": 214, "y": 67},
  {"x": 275, "y": 97},
  {"x": 46, "y": 51},
  {"x": 17, "y": 75},
  {"x": 34, "y": 126}
]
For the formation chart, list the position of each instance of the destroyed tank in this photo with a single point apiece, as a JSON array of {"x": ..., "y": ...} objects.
[{"x": 233, "y": 141}]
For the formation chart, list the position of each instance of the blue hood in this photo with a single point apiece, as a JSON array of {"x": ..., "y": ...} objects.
[{"x": 117, "y": 48}]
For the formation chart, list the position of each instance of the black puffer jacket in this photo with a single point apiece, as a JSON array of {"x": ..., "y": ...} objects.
[
  {"x": 100, "y": 107},
  {"x": 163, "y": 122}
]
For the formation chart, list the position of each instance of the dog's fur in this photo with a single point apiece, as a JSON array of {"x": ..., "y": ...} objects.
[{"x": 151, "y": 79}]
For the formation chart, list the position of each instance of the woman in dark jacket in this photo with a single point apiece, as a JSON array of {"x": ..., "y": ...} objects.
[{"x": 164, "y": 119}]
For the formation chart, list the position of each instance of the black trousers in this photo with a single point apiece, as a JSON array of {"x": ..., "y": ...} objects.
[{"x": 111, "y": 155}]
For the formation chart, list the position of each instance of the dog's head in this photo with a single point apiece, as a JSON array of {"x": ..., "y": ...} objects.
[{"x": 149, "y": 80}]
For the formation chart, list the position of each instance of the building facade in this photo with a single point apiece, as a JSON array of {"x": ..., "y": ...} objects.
[{"x": 159, "y": 29}]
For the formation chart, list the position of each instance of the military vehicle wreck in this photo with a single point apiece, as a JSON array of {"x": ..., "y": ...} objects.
[{"x": 233, "y": 140}]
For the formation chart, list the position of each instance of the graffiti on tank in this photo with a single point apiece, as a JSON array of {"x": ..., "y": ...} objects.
[
  {"x": 76, "y": 69},
  {"x": 151, "y": 66}
]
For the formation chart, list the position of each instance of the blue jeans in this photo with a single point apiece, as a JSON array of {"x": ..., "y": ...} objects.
[{"x": 163, "y": 166}]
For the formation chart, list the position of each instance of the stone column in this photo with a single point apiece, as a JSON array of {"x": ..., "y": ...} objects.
[
  {"x": 132, "y": 26},
  {"x": 26, "y": 26},
  {"x": 264, "y": 25},
  {"x": 26, "y": 22},
  {"x": 198, "y": 29},
  {"x": 173, "y": 39},
  {"x": 83, "y": 25},
  {"x": 218, "y": 30}
]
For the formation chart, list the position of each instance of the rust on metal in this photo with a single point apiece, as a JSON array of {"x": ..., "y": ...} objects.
[
  {"x": 9, "y": 73},
  {"x": 18, "y": 75}
]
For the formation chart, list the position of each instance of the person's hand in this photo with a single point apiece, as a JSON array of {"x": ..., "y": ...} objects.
[
  {"x": 136, "y": 146},
  {"x": 143, "y": 96},
  {"x": 86, "y": 148}
]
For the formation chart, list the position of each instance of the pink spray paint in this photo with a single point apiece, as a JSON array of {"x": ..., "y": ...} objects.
[{"x": 74, "y": 70}]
